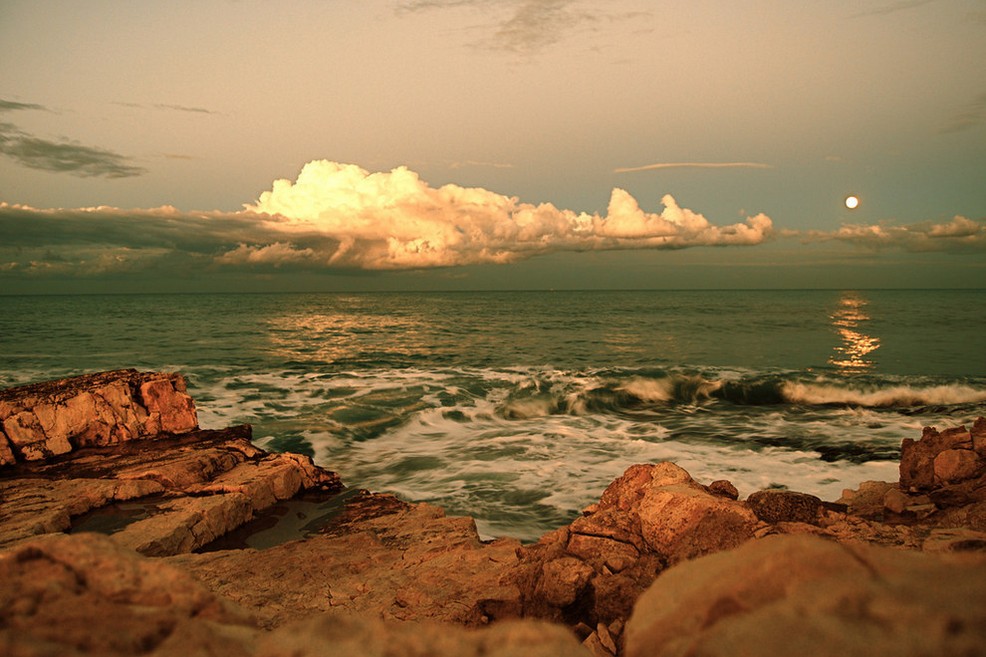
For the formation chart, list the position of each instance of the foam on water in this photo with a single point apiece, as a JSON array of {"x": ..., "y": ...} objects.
[
  {"x": 519, "y": 408},
  {"x": 524, "y": 449}
]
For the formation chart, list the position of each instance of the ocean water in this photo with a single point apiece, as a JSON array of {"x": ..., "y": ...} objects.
[{"x": 518, "y": 408}]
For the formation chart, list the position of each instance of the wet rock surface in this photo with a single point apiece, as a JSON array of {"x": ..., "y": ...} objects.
[{"x": 198, "y": 542}]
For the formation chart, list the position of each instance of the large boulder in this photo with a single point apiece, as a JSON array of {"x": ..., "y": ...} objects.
[
  {"x": 591, "y": 572},
  {"x": 805, "y": 595}
]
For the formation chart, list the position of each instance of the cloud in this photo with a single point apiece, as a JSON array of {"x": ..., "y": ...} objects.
[
  {"x": 63, "y": 156},
  {"x": 694, "y": 165},
  {"x": 972, "y": 115},
  {"x": 11, "y": 105},
  {"x": 893, "y": 8},
  {"x": 183, "y": 108},
  {"x": 339, "y": 216},
  {"x": 59, "y": 156},
  {"x": 474, "y": 163},
  {"x": 958, "y": 235},
  {"x": 167, "y": 106},
  {"x": 529, "y": 26}
]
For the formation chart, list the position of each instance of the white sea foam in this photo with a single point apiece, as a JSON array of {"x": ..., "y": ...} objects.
[{"x": 824, "y": 393}]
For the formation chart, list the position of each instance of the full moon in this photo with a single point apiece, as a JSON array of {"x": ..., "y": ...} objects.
[{"x": 852, "y": 202}]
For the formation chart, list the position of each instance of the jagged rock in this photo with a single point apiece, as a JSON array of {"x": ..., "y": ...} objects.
[
  {"x": 563, "y": 580},
  {"x": 917, "y": 458},
  {"x": 867, "y": 500},
  {"x": 785, "y": 506},
  {"x": 650, "y": 516},
  {"x": 42, "y": 420},
  {"x": 723, "y": 488},
  {"x": 798, "y": 594},
  {"x": 184, "y": 491}
]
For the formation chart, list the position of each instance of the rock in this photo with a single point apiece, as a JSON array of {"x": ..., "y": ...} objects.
[
  {"x": 832, "y": 599},
  {"x": 785, "y": 506},
  {"x": 86, "y": 595},
  {"x": 867, "y": 500},
  {"x": 651, "y": 516},
  {"x": 724, "y": 488},
  {"x": 400, "y": 561},
  {"x": 952, "y": 466},
  {"x": 183, "y": 492},
  {"x": 362, "y": 636},
  {"x": 917, "y": 458},
  {"x": 42, "y": 420},
  {"x": 563, "y": 580}
]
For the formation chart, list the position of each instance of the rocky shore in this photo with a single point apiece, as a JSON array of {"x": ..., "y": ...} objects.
[{"x": 125, "y": 529}]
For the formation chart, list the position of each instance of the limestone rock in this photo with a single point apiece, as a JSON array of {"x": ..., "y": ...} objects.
[
  {"x": 182, "y": 492},
  {"x": 398, "y": 561},
  {"x": 785, "y": 594},
  {"x": 42, "y": 420}
]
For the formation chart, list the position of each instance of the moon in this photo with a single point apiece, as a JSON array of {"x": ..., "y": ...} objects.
[{"x": 852, "y": 202}]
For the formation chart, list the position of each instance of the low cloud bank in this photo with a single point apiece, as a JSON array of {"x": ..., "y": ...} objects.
[
  {"x": 960, "y": 234},
  {"x": 342, "y": 216}
]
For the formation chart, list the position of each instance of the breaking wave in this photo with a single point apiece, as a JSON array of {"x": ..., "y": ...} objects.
[{"x": 558, "y": 393}]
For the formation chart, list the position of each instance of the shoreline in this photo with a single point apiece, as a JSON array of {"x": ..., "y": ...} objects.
[{"x": 122, "y": 452}]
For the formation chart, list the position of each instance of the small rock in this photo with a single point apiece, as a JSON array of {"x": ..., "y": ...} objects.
[
  {"x": 785, "y": 506},
  {"x": 724, "y": 488}
]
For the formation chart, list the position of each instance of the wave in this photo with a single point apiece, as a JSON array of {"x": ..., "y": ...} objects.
[
  {"x": 629, "y": 392},
  {"x": 893, "y": 396}
]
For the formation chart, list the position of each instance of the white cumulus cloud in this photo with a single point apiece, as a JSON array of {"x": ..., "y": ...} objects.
[{"x": 395, "y": 220}]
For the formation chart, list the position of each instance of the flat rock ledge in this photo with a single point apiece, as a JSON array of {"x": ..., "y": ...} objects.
[{"x": 125, "y": 529}]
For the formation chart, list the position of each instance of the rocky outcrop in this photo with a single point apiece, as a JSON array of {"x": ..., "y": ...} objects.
[
  {"x": 805, "y": 595},
  {"x": 380, "y": 558},
  {"x": 181, "y": 512},
  {"x": 158, "y": 497},
  {"x": 86, "y": 595},
  {"x": 47, "y": 419},
  {"x": 590, "y": 573}
]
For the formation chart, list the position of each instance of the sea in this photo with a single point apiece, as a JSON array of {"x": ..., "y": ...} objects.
[{"x": 518, "y": 408}]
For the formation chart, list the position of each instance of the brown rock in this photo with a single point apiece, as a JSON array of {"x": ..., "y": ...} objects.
[
  {"x": 402, "y": 562},
  {"x": 952, "y": 466},
  {"x": 867, "y": 500},
  {"x": 682, "y": 521},
  {"x": 204, "y": 484},
  {"x": 563, "y": 580},
  {"x": 724, "y": 488},
  {"x": 84, "y": 594},
  {"x": 785, "y": 506},
  {"x": 917, "y": 458},
  {"x": 979, "y": 436},
  {"x": 51, "y": 418},
  {"x": 833, "y": 599},
  {"x": 363, "y": 636}
]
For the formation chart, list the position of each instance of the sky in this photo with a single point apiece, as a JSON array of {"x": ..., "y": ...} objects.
[{"x": 234, "y": 145}]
